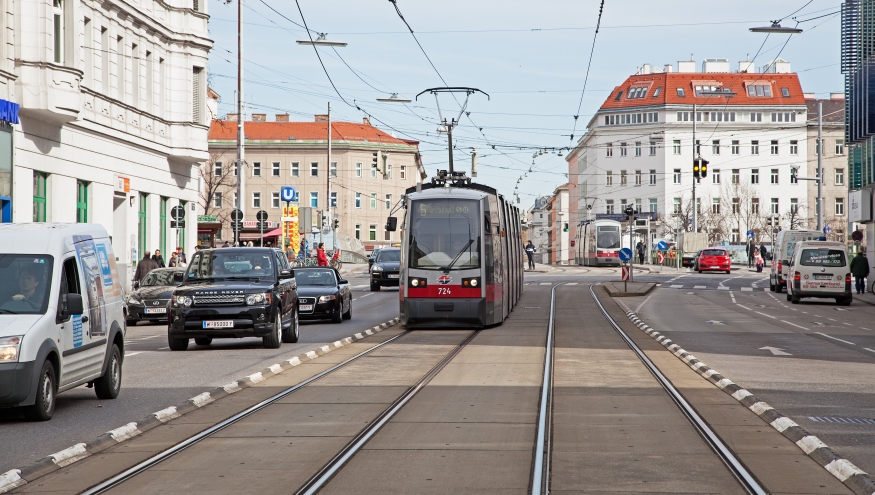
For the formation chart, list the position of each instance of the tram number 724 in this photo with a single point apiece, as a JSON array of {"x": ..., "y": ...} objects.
[{"x": 444, "y": 291}]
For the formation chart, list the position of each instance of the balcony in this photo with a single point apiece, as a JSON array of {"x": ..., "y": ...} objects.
[{"x": 48, "y": 92}]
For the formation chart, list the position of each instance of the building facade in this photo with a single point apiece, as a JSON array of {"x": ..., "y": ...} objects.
[
  {"x": 834, "y": 162},
  {"x": 559, "y": 246},
  {"x": 111, "y": 117},
  {"x": 639, "y": 148},
  {"x": 538, "y": 228},
  {"x": 283, "y": 153}
]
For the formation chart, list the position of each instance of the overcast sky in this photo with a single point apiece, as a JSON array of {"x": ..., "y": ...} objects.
[{"x": 531, "y": 57}]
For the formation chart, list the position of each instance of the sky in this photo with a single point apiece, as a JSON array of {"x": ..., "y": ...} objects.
[{"x": 531, "y": 58}]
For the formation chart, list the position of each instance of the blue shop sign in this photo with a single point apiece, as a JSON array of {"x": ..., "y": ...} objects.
[{"x": 8, "y": 112}]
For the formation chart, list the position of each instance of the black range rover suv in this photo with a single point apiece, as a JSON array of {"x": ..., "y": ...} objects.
[{"x": 234, "y": 293}]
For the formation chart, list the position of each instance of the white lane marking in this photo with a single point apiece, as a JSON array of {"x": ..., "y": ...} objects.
[
  {"x": 163, "y": 348},
  {"x": 747, "y": 289},
  {"x": 571, "y": 283},
  {"x": 795, "y": 325},
  {"x": 870, "y": 350},
  {"x": 776, "y": 351},
  {"x": 830, "y": 319},
  {"x": 638, "y": 309},
  {"x": 848, "y": 324},
  {"x": 544, "y": 283},
  {"x": 699, "y": 287},
  {"x": 366, "y": 295},
  {"x": 864, "y": 328},
  {"x": 732, "y": 295},
  {"x": 132, "y": 353},
  {"x": 770, "y": 316},
  {"x": 676, "y": 286},
  {"x": 720, "y": 287},
  {"x": 835, "y": 338},
  {"x": 742, "y": 306}
]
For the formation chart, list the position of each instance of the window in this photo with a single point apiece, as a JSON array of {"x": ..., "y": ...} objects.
[
  {"x": 653, "y": 205},
  {"x": 150, "y": 107},
  {"x": 794, "y": 147},
  {"x": 619, "y": 95},
  {"x": 162, "y": 224},
  {"x": 358, "y": 231},
  {"x": 622, "y": 177},
  {"x": 681, "y": 92},
  {"x": 358, "y": 169},
  {"x": 162, "y": 76},
  {"x": 794, "y": 205},
  {"x": 58, "y": 14},
  {"x": 609, "y": 150},
  {"x": 736, "y": 206},
  {"x": 774, "y": 176},
  {"x": 334, "y": 169},
  {"x": 622, "y": 149},
  {"x": 334, "y": 199},
  {"x": 217, "y": 169},
  {"x": 296, "y": 169},
  {"x": 652, "y": 148},
  {"x": 759, "y": 90},
  {"x": 314, "y": 169},
  {"x": 388, "y": 171},
  {"x": 840, "y": 146},
  {"x": 609, "y": 178},
  {"x": 314, "y": 200},
  {"x": 736, "y": 176},
  {"x": 235, "y": 169},
  {"x": 677, "y": 206},
  {"x": 120, "y": 68},
  {"x": 715, "y": 206},
  {"x": 609, "y": 206},
  {"x": 217, "y": 200},
  {"x": 755, "y": 206},
  {"x": 715, "y": 147},
  {"x": 141, "y": 226},
  {"x": 756, "y": 117},
  {"x": 373, "y": 201},
  {"x": 88, "y": 54},
  {"x": 403, "y": 172},
  {"x": 735, "y": 146},
  {"x": 256, "y": 169},
  {"x": 840, "y": 176},
  {"x": 677, "y": 176},
  {"x": 388, "y": 201},
  {"x": 275, "y": 169},
  {"x": 373, "y": 173},
  {"x": 773, "y": 208},
  {"x": 39, "y": 196},
  {"x": 840, "y": 206},
  {"x": 785, "y": 92},
  {"x": 372, "y": 232},
  {"x": 754, "y": 147},
  {"x": 793, "y": 178},
  {"x": 754, "y": 176},
  {"x": 656, "y": 92},
  {"x": 358, "y": 200},
  {"x": 637, "y": 148},
  {"x": 773, "y": 147},
  {"x": 637, "y": 177},
  {"x": 197, "y": 92},
  {"x": 274, "y": 200},
  {"x": 816, "y": 147},
  {"x": 81, "y": 202},
  {"x": 735, "y": 238},
  {"x": 715, "y": 176},
  {"x": 256, "y": 200},
  {"x": 676, "y": 146},
  {"x": 104, "y": 64},
  {"x": 135, "y": 78}
]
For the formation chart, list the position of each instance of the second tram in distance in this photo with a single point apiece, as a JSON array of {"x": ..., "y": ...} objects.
[
  {"x": 598, "y": 243},
  {"x": 461, "y": 257}
]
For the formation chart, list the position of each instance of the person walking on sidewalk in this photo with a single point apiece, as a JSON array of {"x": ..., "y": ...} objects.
[
  {"x": 640, "y": 249},
  {"x": 751, "y": 248},
  {"x": 860, "y": 270},
  {"x": 530, "y": 253}
]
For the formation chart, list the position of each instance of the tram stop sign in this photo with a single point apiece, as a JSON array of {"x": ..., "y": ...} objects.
[
  {"x": 662, "y": 245},
  {"x": 625, "y": 255},
  {"x": 177, "y": 213}
]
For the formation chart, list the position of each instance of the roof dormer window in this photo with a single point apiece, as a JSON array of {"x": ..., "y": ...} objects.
[
  {"x": 656, "y": 92},
  {"x": 785, "y": 92},
  {"x": 637, "y": 92},
  {"x": 681, "y": 92},
  {"x": 619, "y": 95},
  {"x": 759, "y": 90}
]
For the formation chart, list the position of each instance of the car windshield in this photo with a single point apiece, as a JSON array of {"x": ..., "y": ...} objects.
[
  {"x": 608, "y": 237},
  {"x": 315, "y": 277},
  {"x": 25, "y": 280},
  {"x": 713, "y": 252},
  {"x": 822, "y": 257},
  {"x": 156, "y": 278},
  {"x": 443, "y": 230},
  {"x": 224, "y": 264},
  {"x": 394, "y": 255}
]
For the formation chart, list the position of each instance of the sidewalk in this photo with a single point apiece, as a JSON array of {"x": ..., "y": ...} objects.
[{"x": 867, "y": 298}]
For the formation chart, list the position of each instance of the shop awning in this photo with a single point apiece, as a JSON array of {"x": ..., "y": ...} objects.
[{"x": 251, "y": 236}]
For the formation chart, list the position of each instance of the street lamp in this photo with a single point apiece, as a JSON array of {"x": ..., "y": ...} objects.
[
  {"x": 776, "y": 28},
  {"x": 321, "y": 41},
  {"x": 393, "y": 99}
]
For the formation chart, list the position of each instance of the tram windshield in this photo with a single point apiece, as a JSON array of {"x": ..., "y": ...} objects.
[
  {"x": 445, "y": 234},
  {"x": 608, "y": 237}
]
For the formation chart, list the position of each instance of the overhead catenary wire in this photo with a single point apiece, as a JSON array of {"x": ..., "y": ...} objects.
[{"x": 588, "y": 65}]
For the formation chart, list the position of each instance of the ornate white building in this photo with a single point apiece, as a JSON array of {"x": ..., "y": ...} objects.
[{"x": 112, "y": 118}]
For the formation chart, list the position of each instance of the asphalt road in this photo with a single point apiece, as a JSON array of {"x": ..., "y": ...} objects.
[{"x": 155, "y": 378}]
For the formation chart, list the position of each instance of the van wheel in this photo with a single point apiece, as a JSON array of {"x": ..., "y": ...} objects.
[
  {"x": 794, "y": 299},
  {"x": 108, "y": 386},
  {"x": 291, "y": 334},
  {"x": 203, "y": 340},
  {"x": 176, "y": 344},
  {"x": 273, "y": 339},
  {"x": 44, "y": 406},
  {"x": 771, "y": 286}
]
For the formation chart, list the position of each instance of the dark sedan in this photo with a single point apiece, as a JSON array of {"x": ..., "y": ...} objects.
[
  {"x": 386, "y": 268},
  {"x": 149, "y": 300},
  {"x": 323, "y": 294}
]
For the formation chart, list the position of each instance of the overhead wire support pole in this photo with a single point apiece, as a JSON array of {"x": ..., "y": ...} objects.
[
  {"x": 453, "y": 122},
  {"x": 240, "y": 118},
  {"x": 695, "y": 157},
  {"x": 819, "y": 165}
]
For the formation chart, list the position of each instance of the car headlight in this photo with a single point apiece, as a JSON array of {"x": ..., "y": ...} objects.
[
  {"x": 377, "y": 268},
  {"x": 135, "y": 299},
  {"x": 323, "y": 299},
  {"x": 9, "y": 347},
  {"x": 180, "y": 301},
  {"x": 260, "y": 298}
]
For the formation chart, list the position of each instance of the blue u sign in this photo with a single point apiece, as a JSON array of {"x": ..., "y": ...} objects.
[{"x": 288, "y": 193}]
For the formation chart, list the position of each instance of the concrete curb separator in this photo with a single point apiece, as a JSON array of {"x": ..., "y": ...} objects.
[
  {"x": 850, "y": 475},
  {"x": 15, "y": 478}
]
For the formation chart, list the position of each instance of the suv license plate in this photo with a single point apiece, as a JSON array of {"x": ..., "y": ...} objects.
[
  {"x": 219, "y": 324},
  {"x": 393, "y": 275},
  {"x": 156, "y": 310},
  {"x": 305, "y": 307}
]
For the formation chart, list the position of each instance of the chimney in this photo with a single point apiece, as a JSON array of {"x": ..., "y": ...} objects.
[
  {"x": 321, "y": 117},
  {"x": 836, "y": 96},
  {"x": 231, "y": 117},
  {"x": 259, "y": 117},
  {"x": 808, "y": 96},
  {"x": 366, "y": 121},
  {"x": 668, "y": 68},
  {"x": 686, "y": 66},
  {"x": 746, "y": 66},
  {"x": 282, "y": 117},
  {"x": 715, "y": 65},
  {"x": 645, "y": 69}
]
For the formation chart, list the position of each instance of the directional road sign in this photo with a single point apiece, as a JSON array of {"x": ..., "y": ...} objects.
[
  {"x": 826, "y": 229},
  {"x": 624, "y": 272},
  {"x": 237, "y": 215},
  {"x": 750, "y": 233},
  {"x": 625, "y": 254},
  {"x": 662, "y": 245},
  {"x": 178, "y": 213},
  {"x": 288, "y": 194},
  {"x": 261, "y": 215}
]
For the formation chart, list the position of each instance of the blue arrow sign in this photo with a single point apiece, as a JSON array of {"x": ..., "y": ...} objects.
[
  {"x": 826, "y": 229},
  {"x": 750, "y": 233},
  {"x": 625, "y": 254},
  {"x": 288, "y": 194},
  {"x": 662, "y": 245}
]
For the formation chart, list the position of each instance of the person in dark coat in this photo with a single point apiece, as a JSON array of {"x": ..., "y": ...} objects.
[
  {"x": 146, "y": 265},
  {"x": 763, "y": 251},
  {"x": 159, "y": 259},
  {"x": 860, "y": 270},
  {"x": 751, "y": 247},
  {"x": 530, "y": 253},
  {"x": 641, "y": 249}
]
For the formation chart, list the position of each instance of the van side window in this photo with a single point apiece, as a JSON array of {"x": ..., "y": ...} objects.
[{"x": 69, "y": 285}]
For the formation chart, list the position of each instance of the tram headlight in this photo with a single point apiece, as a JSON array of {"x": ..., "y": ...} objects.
[
  {"x": 472, "y": 282},
  {"x": 418, "y": 283}
]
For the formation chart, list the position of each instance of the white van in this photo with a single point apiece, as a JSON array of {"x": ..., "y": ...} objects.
[
  {"x": 782, "y": 250},
  {"x": 62, "y": 321},
  {"x": 820, "y": 269}
]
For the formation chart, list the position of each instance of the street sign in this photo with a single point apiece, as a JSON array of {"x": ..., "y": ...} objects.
[
  {"x": 177, "y": 224},
  {"x": 625, "y": 255},
  {"x": 750, "y": 233},
  {"x": 624, "y": 272},
  {"x": 261, "y": 215},
  {"x": 237, "y": 215},
  {"x": 288, "y": 194},
  {"x": 857, "y": 236},
  {"x": 178, "y": 213},
  {"x": 826, "y": 229},
  {"x": 662, "y": 245},
  {"x": 237, "y": 226},
  {"x": 264, "y": 225}
]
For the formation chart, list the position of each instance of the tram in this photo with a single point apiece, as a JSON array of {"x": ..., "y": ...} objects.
[
  {"x": 598, "y": 243},
  {"x": 461, "y": 256}
]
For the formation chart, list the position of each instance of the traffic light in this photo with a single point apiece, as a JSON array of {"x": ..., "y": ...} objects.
[
  {"x": 696, "y": 171},
  {"x": 793, "y": 175},
  {"x": 565, "y": 229},
  {"x": 336, "y": 223},
  {"x": 703, "y": 167},
  {"x": 374, "y": 162}
]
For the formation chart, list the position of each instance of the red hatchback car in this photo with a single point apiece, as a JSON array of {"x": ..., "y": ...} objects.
[{"x": 714, "y": 259}]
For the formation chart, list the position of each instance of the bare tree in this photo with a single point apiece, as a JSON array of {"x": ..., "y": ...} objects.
[
  {"x": 795, "y": 217},
  {"x": 744, "y": 208},
  {"x": 713, "y": 220},
  {"x": 217, "y": 176}
]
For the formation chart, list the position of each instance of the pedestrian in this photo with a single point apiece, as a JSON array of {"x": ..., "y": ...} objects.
[
  {"x": 641, "y": 249},
  {"x": 758, "y": 259},
  {"x": 158, "y": 258},
  {"x": 530, "y": 253},
  {"x": 181, "y": 255},
  {"x": 320, "y": 255},
  {"x": 751, "y": 247},
  {"x": 173, "y": 262},
  {"x": 227, "y": 244},
  {"x": 197, "y": 248},
  {"x": 146, "y": 265},
  {"x": 860, "y": 270}
]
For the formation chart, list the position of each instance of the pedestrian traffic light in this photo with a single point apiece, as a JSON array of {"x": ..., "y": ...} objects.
[
  {"x": 336, "y": 223},
  {"x": 565, "y": 229}
]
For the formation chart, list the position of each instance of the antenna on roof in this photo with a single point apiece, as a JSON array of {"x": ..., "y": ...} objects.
[{"x": 691, "y": 58}]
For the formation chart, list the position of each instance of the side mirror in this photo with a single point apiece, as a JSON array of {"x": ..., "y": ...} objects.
[
  {"x": 287, "y": 273},
  {"x": 343, "y": 281},
  {"x": 179, "y": 277},
  {"x": 391, "y": 224},
  {"x": 73, "y": 305}
]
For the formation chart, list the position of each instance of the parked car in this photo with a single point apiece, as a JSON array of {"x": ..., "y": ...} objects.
[
  {"x": 696, "y": 261},
  {"x": 373, "y": 257},
  {"x": 386, "y": 269},
  {"x": 234, "y": 293},
  {"x": 819, "y": 269},
  {"x": 713, "y": 259},
  {"x": 149, "y": 302},
  {"x": 323, "y": 294}
]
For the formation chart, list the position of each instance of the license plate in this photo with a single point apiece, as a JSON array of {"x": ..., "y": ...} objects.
[
  {"x": 219, "y": 324},
  {"x": 306, "y": 307},
  {"x": 393, "y": 275},
  {"x": 156, "y": 310},
  {"x": 823, "y": 277},
  {"x": 715, "y": 267}
]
